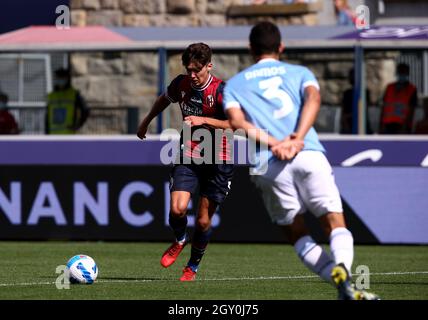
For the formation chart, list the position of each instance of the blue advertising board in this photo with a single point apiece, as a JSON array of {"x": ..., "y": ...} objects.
[{"x": 117, "y": 189}]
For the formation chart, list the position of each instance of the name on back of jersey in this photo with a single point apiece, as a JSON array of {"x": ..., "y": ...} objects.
[{"x": 265, "y": 72}]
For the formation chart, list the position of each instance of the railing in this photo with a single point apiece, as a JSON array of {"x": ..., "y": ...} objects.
[{"x": 101, "y": 120}]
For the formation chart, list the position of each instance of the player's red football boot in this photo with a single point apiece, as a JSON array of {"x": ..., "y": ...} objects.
[
  {"x": 171, "y": 254},
  {"x": 188, "y": 274}
]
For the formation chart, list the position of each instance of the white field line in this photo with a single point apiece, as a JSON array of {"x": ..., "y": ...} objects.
[{"x": 395, "y": 273}]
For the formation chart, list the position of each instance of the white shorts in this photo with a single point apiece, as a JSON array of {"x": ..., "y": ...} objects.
[{"x": 304, "y": 184}]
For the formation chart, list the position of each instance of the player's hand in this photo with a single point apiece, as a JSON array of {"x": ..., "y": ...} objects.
[
  {"x": 194, "y": 121},
  {"x": 142, "y": 130},
  {"x": 288, "y": 148}
]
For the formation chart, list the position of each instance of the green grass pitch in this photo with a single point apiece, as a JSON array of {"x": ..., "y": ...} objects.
[{"x": 228, "y": 271}]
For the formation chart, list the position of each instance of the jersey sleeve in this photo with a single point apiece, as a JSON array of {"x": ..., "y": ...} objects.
[
  {"x": 230, "y": 100},
  {"x": 308, "y": 79},
  {"x": 173, "y": 93}
]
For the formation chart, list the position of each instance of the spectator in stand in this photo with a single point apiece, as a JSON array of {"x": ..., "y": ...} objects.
[
  {"x": 399, "y": 104},
  {"x": 66, "y": 108}
]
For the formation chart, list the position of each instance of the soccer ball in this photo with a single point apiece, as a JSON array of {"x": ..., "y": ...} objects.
[{"x": 82, "y": 269}]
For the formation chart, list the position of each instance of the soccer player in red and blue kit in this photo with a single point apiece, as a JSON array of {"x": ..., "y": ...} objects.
[{"x": 199, "y": 95}]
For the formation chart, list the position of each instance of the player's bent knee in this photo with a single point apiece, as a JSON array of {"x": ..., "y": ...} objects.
[
  {"x": 203, "y": 224},
  {"x": 178, "y": 210}
]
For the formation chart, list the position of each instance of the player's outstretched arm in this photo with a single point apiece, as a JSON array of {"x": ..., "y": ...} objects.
[
  {"x": 310, "y": 111},
  {"x": 160, "y": 104},
  {"x": 208, "y": 122}
]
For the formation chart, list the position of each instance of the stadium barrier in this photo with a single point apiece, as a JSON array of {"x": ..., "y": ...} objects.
[
  {"x": 115, "y": 188},
  {"x": 102, "y": 120}
]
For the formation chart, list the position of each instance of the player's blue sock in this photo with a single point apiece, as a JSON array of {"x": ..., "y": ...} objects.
[
  {"x": 178, "y": 225},
  {"x": 199, "y": 244}
]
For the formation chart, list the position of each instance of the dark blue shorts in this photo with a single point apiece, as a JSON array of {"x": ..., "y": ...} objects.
[{"x": 214, "y": 180}]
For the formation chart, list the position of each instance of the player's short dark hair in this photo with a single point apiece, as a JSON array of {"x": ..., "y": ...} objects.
[
  {"x": 265, "y": 38},
  {"x": 197, "y": 52}
]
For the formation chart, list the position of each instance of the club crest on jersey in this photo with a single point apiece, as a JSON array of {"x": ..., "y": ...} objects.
[{"x": 210, "y": 101}]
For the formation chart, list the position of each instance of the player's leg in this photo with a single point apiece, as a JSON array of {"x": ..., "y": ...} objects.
[
  {"x": 341, "y": 239},
  {"x": 282, "y": 201},
  {"x": 313, "y": 256},
  {"x": 178, "y": 214},
  {"x": 321, "y": 196},
  {"x": 342, "y": 250},
  {"x": 215, "y": 182},
  {"x": 182, "y": 185},
  {"x": 201, "y": 237}
]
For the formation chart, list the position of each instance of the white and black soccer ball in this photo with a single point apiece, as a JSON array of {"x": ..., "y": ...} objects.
[{"x": 82, "y": 269}]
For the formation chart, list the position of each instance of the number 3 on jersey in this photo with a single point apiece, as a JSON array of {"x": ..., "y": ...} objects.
[{"x": 272, "y": 90}]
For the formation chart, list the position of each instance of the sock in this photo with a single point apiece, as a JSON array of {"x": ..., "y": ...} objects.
[
  {"x": 178, "y": 225},
  {"x": 314, "y": 257},
  {"x": 342, "y": 247},
  {"x": 199, "y": 244}
]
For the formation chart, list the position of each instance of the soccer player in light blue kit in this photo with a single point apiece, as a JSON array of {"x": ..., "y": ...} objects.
[{"x": 283, "y": 100}]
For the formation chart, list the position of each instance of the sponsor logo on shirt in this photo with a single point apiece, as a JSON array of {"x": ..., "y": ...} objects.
[{"x": 210, "y": 101}]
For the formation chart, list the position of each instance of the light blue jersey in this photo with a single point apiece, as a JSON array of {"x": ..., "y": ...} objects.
[{"x": 271, "y": 94}]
